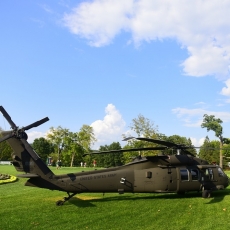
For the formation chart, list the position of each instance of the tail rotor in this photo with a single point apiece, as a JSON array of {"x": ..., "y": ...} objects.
[{"x": 20, "y": 133}]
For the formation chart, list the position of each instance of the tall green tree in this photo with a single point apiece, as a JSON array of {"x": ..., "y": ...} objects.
[
  {"x": 143, "y": 127},
  {"x": 209, "y": 151},
  {"x": 226, "y": 153},
  {"x": 109, "y": 159},
  {"x": 180, "y": 141},
  {"x": 76, "y": 144},
  {"x": 56, "y": 136},
  {"x": 5, "y": 150},
  {"x": 214, "y": 124},
  {"x": 70, "y": 146},
  {"x": 43, "y": 147}
]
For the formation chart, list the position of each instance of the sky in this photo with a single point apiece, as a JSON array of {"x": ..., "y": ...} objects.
[{"x": 105, "y": 62}]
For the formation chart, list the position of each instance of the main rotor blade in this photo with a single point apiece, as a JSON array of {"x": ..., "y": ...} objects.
[
  {"x": 6, "y": 137},
  {"x": 8, "y": 118},
  {"x": 127, "y": 150},
  {"x": 35, "y": 124},
  {"x": 166, "y": 143}
]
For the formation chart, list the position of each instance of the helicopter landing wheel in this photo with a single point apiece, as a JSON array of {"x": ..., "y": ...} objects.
[
  {"x": 206, "y": 193},
  {"x": 60, "y": 202}
]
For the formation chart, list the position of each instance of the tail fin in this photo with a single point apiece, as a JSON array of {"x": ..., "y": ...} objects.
[{"x": 24, "y": 161}]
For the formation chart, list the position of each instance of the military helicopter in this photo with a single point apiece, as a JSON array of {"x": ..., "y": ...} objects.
[{"x": 178, "y": 173}]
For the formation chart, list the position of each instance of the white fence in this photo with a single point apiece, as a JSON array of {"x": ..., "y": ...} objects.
[{"x": 5, "y": 163}]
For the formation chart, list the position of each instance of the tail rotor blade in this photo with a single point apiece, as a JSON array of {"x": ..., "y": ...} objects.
[
  {"x": 35, "y": 124},
  {"x": 8, "y": 118}
]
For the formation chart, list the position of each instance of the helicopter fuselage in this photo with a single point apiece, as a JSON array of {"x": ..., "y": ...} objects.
[{"x": 143, "y": 175}]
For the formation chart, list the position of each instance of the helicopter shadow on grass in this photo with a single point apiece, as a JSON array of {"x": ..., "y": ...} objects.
[{"x": 216, "y": 197}]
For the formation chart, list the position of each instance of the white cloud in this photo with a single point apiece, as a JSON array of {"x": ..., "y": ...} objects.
[
  {"x": 226, "y": 90},
  {"x": 197, "y": 142},
  {"x": 201, "y": 27},
  {"x": 99, "y": 21},
  {"x": 194, "y": 117},
  {"x": 109, "y": 129},
  {"x": 33, "y": 135}
]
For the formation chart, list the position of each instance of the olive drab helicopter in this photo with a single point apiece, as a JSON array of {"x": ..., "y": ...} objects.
[{"x": 178, "y": 173}]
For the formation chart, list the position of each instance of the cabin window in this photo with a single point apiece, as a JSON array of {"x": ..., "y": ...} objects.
[
  {"x": 184, "y": 174},
  {"x": 209, "y": 173},
  {"x": 195, "y": 174},
  {"x": 148, "y": 175}
]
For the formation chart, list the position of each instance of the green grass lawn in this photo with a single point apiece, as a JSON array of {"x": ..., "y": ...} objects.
[{"x": 24, "y": 208}]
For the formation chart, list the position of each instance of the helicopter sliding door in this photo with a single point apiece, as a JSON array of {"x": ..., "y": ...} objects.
[
  {"x": 155, "y": 180},
  {"x": 188, "y": 179}
]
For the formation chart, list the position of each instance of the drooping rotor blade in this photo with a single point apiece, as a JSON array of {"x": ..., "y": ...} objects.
[
  {"x": 128, "y": 138},
  {"x": 127, "y": 150},
  {"x": 6, "y": 137},
  {"x": 29, "y": 149},
  {"x": 8, "y": 118},
  {"x": 165, "y": 143},
  {"x": 35, "y": 124},
  {"x": 156, "y": 141}
]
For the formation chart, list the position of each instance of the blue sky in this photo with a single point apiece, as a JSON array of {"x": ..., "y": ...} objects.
[{"x": 104, "y": 62}]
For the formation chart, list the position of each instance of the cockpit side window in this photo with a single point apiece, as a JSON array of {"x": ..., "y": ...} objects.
[
  {"x": 209, "y": 173},
  {"x": 220, "y": 172}
]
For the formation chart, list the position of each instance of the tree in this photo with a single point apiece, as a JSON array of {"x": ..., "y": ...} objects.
[
  {"x": 226, "y": 153},
  {"x": 68, "y": 144},
  {"x": 56, "y": 137},
  {"x": 180, "y": 141},
  {"x": 5, "y": 150},
  {"x": 209, "y": 151},
  {"x": 43, "y": 147},
  {"x": 109, "y": 159},
  {"x": 76, "y": 144},
  {"x": 72, "y": 147},
  {"x": 214, "y": 124},
  {"x": 144, "y": 127}
]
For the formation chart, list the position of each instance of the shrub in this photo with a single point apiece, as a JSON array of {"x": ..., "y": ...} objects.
[{"x": 6, "y": 178}]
